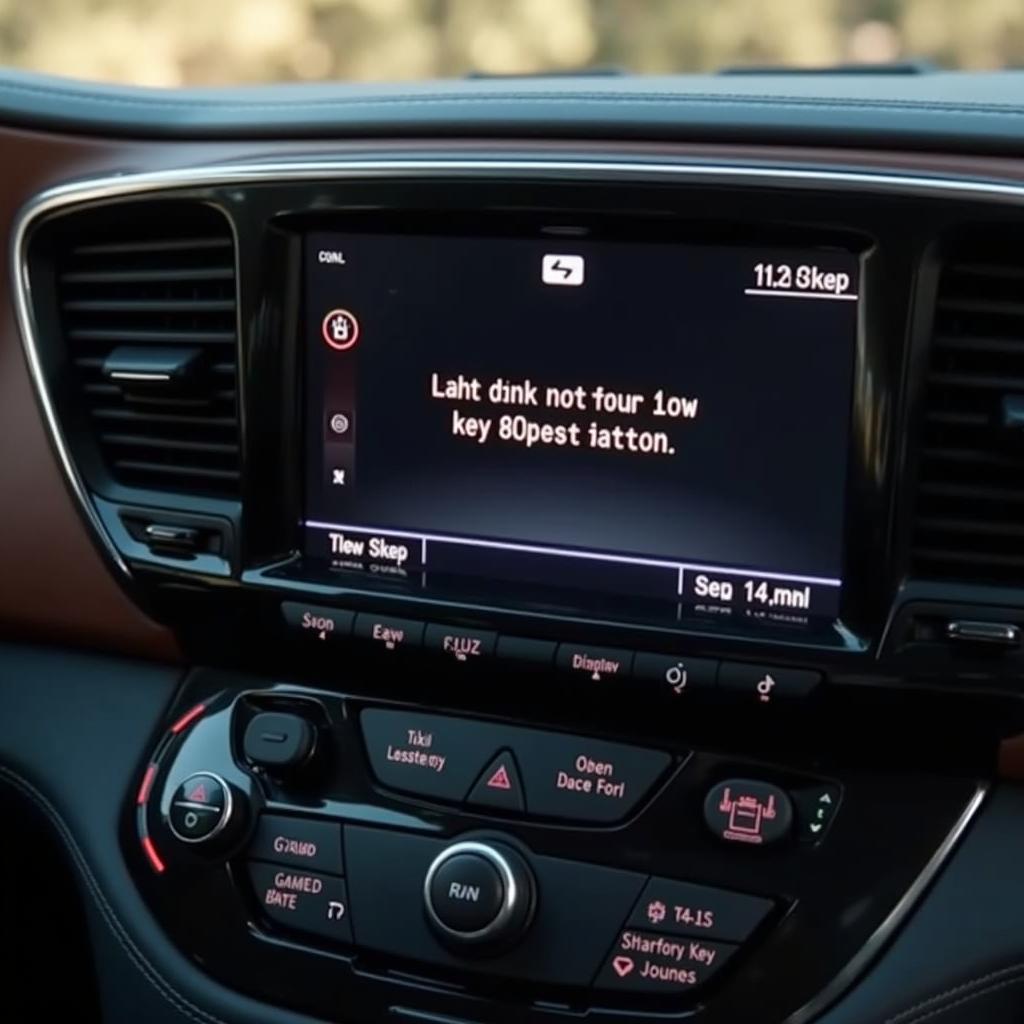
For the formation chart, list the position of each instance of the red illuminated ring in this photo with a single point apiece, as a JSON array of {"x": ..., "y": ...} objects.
[{"x": 342, "y": 346}]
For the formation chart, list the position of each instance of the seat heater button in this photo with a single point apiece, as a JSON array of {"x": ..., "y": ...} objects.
[
  {"x": 577, "y": 779},
  {"x": 748, "y": 811},
  {"x": 429, "y": 755},
  {"x": 660, "y": 964},
  {"x": 680, "y": 908},
  {"x": 301, "y": 842},
  {"x": 302, "y": 900}
]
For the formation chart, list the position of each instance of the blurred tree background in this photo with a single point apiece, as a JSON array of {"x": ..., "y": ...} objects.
[{"x": 206, "y": 42}]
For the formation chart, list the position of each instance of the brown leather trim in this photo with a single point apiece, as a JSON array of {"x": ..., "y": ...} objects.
[{"x": 54, "y": 585}]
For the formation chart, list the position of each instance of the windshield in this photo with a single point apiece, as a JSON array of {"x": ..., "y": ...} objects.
[{"x": 214, "y": 42}]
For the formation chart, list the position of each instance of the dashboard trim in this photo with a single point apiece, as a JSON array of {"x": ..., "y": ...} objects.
[
  {"x": 888, "y": 928},
  {"x": 108, "y": 188}
]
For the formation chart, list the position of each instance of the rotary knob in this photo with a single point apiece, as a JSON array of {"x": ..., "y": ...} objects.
[
  {"x": 479, "y": 894},
  {"x": 203, "y": 811}
]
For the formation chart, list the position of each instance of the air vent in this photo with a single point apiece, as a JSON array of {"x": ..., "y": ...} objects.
[
  {"x": 147, "y": 305},
  {"x": 970, "y": 510}
]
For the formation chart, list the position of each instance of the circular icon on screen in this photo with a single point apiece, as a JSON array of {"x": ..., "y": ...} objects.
[
  {"x": 340, "y": 329},
  {"x": 340, "y": 424}
]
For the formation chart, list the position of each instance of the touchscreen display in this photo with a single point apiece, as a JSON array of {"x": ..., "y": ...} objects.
[{"x": 655, "y": 419}]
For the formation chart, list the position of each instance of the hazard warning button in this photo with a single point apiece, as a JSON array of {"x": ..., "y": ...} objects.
[
  {"x": 498, "y": 786},
  {"x": 201, "y": 808}
]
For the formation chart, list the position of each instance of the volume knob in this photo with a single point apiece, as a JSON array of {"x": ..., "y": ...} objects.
[{"x": 479, "y": 894}]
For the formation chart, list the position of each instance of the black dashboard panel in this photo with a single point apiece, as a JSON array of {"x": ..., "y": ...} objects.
[{"x": 505, "y": 794}]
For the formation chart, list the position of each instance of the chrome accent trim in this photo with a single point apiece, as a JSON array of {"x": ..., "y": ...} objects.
[
  {"x": 308, "y": 169},
  {"x": 896, "y": 917},
  {"x": 128, "y": 375},
  {"x": 1001, "y": 634},
  {"x": 510, "y": 896}
]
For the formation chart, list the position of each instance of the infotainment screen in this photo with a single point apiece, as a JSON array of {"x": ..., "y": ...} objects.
[{"x": 653, "y": 419}]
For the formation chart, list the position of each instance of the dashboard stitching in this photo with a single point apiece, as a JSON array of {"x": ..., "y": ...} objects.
[
  {"x": 907, "y": 1016},
  {"x": 483, "y": 99},
  {"x": 144, "y": 967},
  {"x": 987, "y": 990}
]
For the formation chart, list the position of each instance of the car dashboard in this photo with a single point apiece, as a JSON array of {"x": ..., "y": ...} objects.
[{"x": 519, "y": 550}]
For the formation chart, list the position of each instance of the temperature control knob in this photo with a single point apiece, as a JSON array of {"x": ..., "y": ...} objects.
[{"x": 479, "y": 894}]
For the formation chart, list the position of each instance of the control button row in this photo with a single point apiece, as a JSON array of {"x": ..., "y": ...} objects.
[
  {"x": 551, "y": 775},
  {"x": 654, "y": 935},
  {"x": 675, "y": 675},
  {"x": 391, "y": 633}
]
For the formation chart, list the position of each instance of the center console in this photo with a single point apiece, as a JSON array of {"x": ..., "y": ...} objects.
[
  {"x": 580, "y": 624},
  {"x": 302, "y": 842}
]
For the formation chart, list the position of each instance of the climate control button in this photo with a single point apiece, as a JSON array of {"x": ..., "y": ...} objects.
[
  {"x": 299, "y": 842},
  {"x": 682, "y": 908},
  {"x": 479, "y": 894},
  {"x": 303, "y": 900},
  {"x": 429, "y": 755},
  {"x": 577, "y": 779}
]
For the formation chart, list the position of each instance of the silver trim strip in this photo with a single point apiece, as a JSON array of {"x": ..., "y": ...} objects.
[
  {"x": 888, "y": 928},
  {"x": 209, "y": 176}
]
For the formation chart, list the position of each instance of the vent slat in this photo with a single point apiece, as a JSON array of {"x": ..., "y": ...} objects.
[
  {"x": 181, "y": 305},
  {"x": 966, "y": 492},
  {"x": 166, "y": 444},
  {"x": 985, "y": 382},
  {"x": 979, "y": 343},
  {"x": 973, "y": 457},
  {"x": 990, "y": 307},
  {"x": 969, "y": 520},
  {"x": 970, "y": 526},
  {"x": 124, "y": 336},
  {"x": 172, "y": 274},
  {"x": 987, "y": 269},
  {"x": 968, "y": 558},
  {"x": 165, "y": 280},
  {"x": 134, "y": 416},
  {"x": 160, "y": 245},
  {"x": 945, "y": 417},
  {"x": 183, "y": 471}
]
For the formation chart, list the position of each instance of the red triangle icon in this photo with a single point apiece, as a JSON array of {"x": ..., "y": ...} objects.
[
  {"x": 198, "y": 795},
  {"x": 500, "y": 779}
]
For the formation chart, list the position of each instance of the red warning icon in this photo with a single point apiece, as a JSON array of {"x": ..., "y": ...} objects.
[
  {"x": 500, "y": 779},
  {"x": 198, "y": 794}
]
